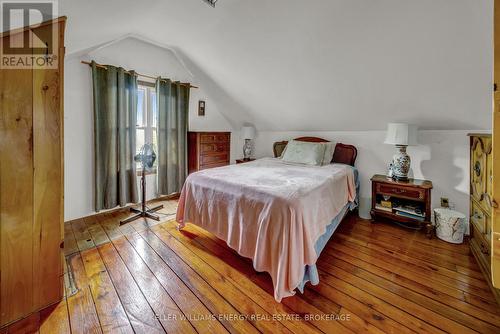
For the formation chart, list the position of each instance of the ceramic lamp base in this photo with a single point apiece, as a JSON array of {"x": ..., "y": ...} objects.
[
  {"x": 401, "y": 164},
  {"x": 247, "y": 150}
]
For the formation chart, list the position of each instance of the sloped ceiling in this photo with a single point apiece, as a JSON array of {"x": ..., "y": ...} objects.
[{"x": 319, "y": 64}]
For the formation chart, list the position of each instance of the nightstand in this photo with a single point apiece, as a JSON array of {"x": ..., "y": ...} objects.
[
  {"x": 406, "y": 202},
  {"x": 242, "y": 161}
]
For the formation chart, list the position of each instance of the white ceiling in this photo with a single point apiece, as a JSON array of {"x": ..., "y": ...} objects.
[{"x": 318, "y": 64}]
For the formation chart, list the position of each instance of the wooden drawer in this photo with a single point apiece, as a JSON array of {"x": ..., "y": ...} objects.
[
  {"x": 480, "y": 245},
  {"x": 208, "y": 148},
  {"x": 405, "y": 192},
  {"x": 214, "y": 138},
  {"x": 479, "y": 218},
  {"x": 214, "y": 158}
]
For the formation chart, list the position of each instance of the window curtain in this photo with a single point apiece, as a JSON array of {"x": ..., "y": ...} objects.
[
  {"x": 115, "y": 118},
  {"x": 173, "y": 106}
]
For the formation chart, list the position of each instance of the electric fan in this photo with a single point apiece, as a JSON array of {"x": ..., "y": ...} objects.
[{"x": 146, "y": 157}]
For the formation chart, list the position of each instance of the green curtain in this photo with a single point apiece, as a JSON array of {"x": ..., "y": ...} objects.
[
  {"x": 115, "y": 118},
  {"x": 173, "y": 106}
]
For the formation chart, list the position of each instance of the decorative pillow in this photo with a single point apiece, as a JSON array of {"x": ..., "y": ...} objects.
[
  {"x": 304, "y": 153},
  {"x": 329, "y": 150}
]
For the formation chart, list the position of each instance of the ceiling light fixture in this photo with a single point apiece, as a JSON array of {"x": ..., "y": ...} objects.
[{"x": 211, "y": 2}]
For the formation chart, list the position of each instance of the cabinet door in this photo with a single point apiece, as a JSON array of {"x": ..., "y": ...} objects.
[
  {"x": 480, "y": 171},
  {"x": 495, "y": 236}
]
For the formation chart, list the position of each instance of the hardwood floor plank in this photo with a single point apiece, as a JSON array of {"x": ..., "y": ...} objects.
[
  {"x": 55, "y": 319},
  {"x": 301, "y": 306},
  {"x": 112, "y": 316},
  {"x": 331, "y": 264},
  {"x": 81, "y": 307},
  {"x": 188, "y": 302},
  {"x": 415, "y": 282},
  {"x": 164, "y": 307},
  {"x": 224, "y": 286},
  {"x": 354, "y": 323},
  {"x": 406, "y": 305},
  {"x": 384, "y": 306},
  {"x": 233, "y": 269},
  {"x": 83, "y": 238},
  {"x": 140, "y": 314},
  {"x": 365, "y": 311},
  {"x": 406, "y": 245},
  {"x": 398, "y": 266},
  {"x": 70, "y": 245},
  {"x": 411, "y": 262},
  {"x": 211, "y": 298}
]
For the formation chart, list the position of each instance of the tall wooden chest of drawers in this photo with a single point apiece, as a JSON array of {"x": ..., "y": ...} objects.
[
  {"x": 481, "y": 177},
  {"x": 208, "y": 150}
]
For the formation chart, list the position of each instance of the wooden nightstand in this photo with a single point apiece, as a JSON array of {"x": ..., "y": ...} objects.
[
  {"x": 242, "y": 161},
  {"x": 410, "y": 201}
]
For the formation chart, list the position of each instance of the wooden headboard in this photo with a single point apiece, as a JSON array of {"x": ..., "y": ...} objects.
[{"x": 344, "y": 154}]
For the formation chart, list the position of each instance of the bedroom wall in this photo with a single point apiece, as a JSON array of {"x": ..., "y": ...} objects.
[
  {"x": 337, "y": 69},
  {"x": 441, "y": 156},
  {"x": 129, "y": 53}
]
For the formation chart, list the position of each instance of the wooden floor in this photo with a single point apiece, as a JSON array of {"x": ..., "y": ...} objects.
[{"x": 147, "y": 277}]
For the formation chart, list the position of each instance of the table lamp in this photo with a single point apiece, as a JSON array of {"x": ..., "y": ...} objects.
[
  {"x": 247, "y": 133},
  {"x": 401, "y": 135}
]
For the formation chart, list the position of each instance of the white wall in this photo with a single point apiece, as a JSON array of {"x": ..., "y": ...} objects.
[
  {"x": 441, "y": 156},
  {"x": 129, "y": 53}
]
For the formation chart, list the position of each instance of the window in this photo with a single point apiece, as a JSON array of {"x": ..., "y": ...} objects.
[{"x": 146, "y": 117}]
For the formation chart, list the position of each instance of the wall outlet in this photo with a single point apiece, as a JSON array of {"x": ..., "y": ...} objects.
[{"x": 445, "y": 202}]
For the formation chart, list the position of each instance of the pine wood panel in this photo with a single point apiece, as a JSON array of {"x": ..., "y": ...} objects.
[
  {"x": 16, "y": 187},
  {"x": 48, "y": 180},
  {"x": 132, "y": 278}
]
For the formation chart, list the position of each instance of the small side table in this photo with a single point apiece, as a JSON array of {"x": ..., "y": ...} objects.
[
  {"x": 242, "y": 161},
  {"x": 408, "y": 201}
]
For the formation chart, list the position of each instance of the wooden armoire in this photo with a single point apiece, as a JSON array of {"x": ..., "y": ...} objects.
[
  {"x": 31, "y": 177},
  {"x": 481, "y": 202}
]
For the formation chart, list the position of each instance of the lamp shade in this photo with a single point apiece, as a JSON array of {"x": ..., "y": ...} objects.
[
  {"x": 401, "y": 134},
  {"x": 247, "y": 132}
]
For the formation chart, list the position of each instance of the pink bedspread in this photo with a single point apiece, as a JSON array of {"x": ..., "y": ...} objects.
[{"x": 270, "y": 211}]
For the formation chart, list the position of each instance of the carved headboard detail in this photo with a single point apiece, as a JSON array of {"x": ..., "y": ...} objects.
[{"x": 344, "y": 154}]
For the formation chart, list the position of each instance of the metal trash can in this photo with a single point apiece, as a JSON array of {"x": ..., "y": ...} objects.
[{"x": 450, "y": 225}]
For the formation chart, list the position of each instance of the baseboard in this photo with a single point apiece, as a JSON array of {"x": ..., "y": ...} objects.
[{"x": 125, "y": 208}]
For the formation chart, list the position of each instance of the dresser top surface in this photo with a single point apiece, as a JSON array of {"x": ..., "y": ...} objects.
[{"x": 410, "y": 183}]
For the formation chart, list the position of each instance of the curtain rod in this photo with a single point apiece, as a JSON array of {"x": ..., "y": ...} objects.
[{"x": 142, "y": 75}]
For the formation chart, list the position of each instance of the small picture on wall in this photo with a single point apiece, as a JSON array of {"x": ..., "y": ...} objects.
[{"x": 201, "y": 108}]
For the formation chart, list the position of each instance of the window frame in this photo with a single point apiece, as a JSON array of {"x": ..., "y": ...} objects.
[{"x": 148, "y": 127}]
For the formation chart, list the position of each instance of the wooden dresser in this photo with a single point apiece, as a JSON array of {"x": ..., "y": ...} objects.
[
  {"x": 481, "y": 176},
  {"x": 208, "y": 150},
  {"x": 31, "y": 180}
]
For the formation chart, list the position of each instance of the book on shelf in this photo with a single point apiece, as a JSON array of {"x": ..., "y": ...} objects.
[
  {"x": 409, "y": 209},
  {"x": 386, "y": 204},
  {"x": 409, "y": 215},
  {"x": 382, "y": 208}
]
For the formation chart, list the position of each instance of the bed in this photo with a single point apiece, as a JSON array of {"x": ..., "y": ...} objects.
[{"x": 279, "y": 214}]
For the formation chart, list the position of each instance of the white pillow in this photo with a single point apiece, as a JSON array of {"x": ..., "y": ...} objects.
[
  {"x": 329, "y": 151},
  {"x": 304, "y": 153}
]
